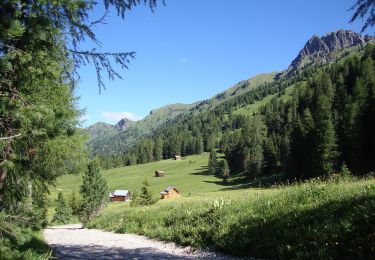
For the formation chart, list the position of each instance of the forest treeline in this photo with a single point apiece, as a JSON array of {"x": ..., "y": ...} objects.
[{"x": 328, "y": 123}]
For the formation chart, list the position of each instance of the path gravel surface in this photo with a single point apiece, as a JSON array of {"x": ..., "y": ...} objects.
[{"x": 75, "y": 242}]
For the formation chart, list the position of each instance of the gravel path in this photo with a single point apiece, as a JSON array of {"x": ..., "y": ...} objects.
[{"x": 74, "y": 242}]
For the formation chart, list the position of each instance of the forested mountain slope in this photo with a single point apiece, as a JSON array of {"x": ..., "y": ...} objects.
[
  {"x": 109, "y": 139},
  {"x": 315, "y": 102}
]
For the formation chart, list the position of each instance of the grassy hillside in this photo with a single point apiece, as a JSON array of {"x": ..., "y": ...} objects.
[
  {"x": 189, "y": 175},
  {"x": 251, "y": 83},
  {"x": 253, "y": 108},
  {"x": 312, "y": 220}
]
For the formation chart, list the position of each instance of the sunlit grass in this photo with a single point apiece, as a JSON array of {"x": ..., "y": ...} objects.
[{"x": 308, "y": 220}]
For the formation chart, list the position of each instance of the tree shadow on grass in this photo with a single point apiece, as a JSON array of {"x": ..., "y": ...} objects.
[
  {"x": 201, "y": 171},
  {"x": 241, "y": 181},
  {"x": 341, "y": 229}
]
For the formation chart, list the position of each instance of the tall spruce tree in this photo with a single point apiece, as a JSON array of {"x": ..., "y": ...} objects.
[
  {"x": 325, "y": 153},
  {"x": 39, "y": 57},
  {"x": 94, "y": 192},
  {"x": 212, "y": 162},
  {"x": 224, "y": 170},
  {"x": 254, "y": 134}
]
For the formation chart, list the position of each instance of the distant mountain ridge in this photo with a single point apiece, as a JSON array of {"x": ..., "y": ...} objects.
[
  {"x": 317, "y": 51},
  {"x": 124, "y": 124},
  {"x": 126, "y": 131},
  {"x": 325, "y": 49},
  {"x": 100, "y": 129}
]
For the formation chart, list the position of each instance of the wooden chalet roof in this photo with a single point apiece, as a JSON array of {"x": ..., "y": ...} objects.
[{"x": 170, "y": 187}]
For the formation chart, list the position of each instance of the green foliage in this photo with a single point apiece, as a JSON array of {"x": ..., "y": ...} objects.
[
  {"x": 21, "y": 238},
  {"x": 345, "y": 172},
  {"x": 63, "y": 212},
  {"x": 364, "y": 9},
  {"x": 144, "y": 197},
  {"x": 74, "y": 204},
  {"x": 212, "y": 162},
  {"x": 310, "y": 220},
  {"x": 224, "y": 170},
  {"x": 94, "y": 192}
]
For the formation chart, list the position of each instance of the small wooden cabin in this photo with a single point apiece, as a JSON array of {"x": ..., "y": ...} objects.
[
  {"x": 177, "y": 157},
  {"x": 159, "y": 173},
  {"x": 119, "y": 195},
  {"x": 170, "y": 192}
]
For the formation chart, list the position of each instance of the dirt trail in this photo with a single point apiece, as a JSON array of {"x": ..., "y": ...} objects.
[{"x": 74, "y": 242}]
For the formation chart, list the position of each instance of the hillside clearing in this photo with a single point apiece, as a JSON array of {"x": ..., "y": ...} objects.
[{"x": 189, "y": 175}]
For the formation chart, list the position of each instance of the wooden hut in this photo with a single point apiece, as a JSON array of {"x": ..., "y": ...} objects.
[
  {"x": 177, "y": 157},
  {"x": 170, "y": 192},
  {"x": 159, "y": 173},
  {"x": 119, "y": 195}
]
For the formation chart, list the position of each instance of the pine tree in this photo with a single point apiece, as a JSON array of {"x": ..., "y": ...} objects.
[
  {"x": 254, "y": 134},
  {"x": 93, "y": 192},
  {"x": 212, "y": 162},
  {"x": 144, "y": 197},
  {"x": 325, "y": 153},
  {"x": 40, "y": 53},
  {"x": 158, "y": 149},
  {"x": 74, "y": 204},
  {"x": 224, "y": 170},
  {"x": 62, "y": 211},
  {"x": 199, "y": 146}
]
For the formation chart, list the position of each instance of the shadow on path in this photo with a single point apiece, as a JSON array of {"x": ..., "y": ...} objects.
[{"x": 101, "y": 252}]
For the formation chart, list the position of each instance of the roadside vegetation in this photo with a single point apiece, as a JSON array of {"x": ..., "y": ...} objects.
[
  {"x": 309, "y": 220},
  {"x": 21, "y": 238}
]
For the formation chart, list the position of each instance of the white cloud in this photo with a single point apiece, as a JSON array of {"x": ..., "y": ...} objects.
[
  {"x": 183, "y": 60},
  {"x": 117, "y": 116}
]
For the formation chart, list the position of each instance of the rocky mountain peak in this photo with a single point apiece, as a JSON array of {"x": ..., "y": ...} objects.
[
  {"x": 123, "y": 124},
  {"x": 319, "y": 49}
]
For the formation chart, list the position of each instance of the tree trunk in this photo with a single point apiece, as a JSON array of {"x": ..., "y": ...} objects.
[
  {"x": 6, "y": 151},
  {"x": 3, "y": 174}
]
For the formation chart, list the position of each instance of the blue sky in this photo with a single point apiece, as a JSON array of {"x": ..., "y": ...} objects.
[{"x": 190, "y": 50}]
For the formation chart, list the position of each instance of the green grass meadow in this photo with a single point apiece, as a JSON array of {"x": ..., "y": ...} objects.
[
  {"x": 315, "y": 219},
  {"x": 189, "y": 175}
]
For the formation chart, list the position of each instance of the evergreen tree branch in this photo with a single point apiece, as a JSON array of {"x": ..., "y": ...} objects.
[
  {"x": 363, "y": 9},
  {"x": 9, "y": 137}
]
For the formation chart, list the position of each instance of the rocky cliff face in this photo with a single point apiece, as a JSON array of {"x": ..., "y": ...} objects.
[
  {"x": 123, "y": 124},
  {"x": 321, "y": 50}
]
